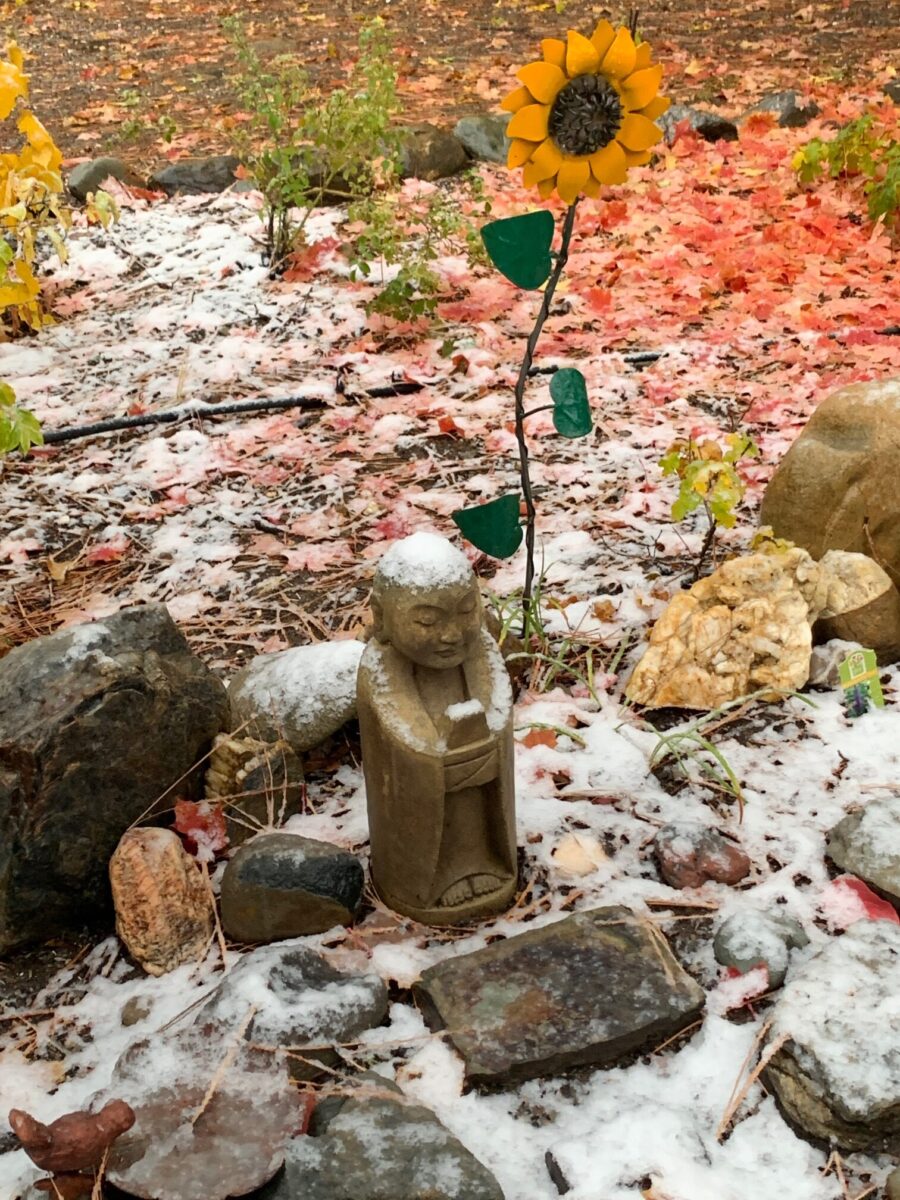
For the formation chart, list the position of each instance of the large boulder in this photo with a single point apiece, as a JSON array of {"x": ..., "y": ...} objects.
[
  {"x": 197, "y": 176},
  {"x": 748, "y": 627},
  {"x": 836, "y": 1069},
  {"x": 831, "y": 490},
  {"x": 430, "y": 152},
  {"x": 87, "y": 177},
  {"x": 97, "y": 725},
  {"x": 484, "y": 137}
]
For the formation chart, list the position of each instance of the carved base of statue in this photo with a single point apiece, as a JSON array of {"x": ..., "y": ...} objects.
[{"x": 436, "y": 719}]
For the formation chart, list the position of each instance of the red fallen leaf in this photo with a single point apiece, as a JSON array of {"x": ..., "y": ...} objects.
[
  {"x": 392, "y": 526},
  {"x": 307, "y": 1108},
  {"x": 111, "y": 551},
  {"x": 303, "y": 264},
  {"x": 600, "y": 299},
  {"x": 449, "y": 426},
  {"x": 847, "y": 900},
  {"x": 540, "y": 737},
  {"x": 136, "y": 409},
  {"x": 760, "y": 123},
  {"x": 202, "y": 825}
]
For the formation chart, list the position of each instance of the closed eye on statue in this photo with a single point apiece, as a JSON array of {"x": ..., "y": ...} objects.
[{"x": 426, "y": 616}]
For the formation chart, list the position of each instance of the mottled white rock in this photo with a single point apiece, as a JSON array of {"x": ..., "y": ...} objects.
[{"x": 867, "y": 844}]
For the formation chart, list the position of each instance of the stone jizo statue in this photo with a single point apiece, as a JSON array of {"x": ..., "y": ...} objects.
[{"x": 435, "y": 714}]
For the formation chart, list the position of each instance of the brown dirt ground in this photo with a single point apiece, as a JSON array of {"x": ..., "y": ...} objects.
[{"x": 104, "y": 72}]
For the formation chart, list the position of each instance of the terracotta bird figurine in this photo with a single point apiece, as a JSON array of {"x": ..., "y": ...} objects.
[{"x": 74, "y": 1142}]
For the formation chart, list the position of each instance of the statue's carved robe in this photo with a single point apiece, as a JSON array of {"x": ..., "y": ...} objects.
[{"x": 440, "y": 790}]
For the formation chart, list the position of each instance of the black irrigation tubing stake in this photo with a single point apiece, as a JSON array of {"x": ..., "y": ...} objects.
[{"x": 637, "y": 359}]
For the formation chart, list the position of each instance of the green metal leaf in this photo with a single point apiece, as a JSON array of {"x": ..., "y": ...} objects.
[
  {"x": 519, "y": 247},
  {"x": 571, "y": 410},
  {"x": 493, "y": 527}
]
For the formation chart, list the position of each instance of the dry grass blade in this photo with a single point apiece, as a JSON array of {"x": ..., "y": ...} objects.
[
  {"x": 222, "y": 1070},
  {"x": 739, "y": 1092}
]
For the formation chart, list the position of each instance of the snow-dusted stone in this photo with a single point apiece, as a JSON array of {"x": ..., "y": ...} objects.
[
  {"x": 299, "y": 999},
  {"x": 790, "y": 112},
  {"x": 192, "y": 176},
  {"x": 837, "y": 1076},
  {"x": 691, "y": 854},
  {"x": 164, "y": 912},
  {"x": 750, "y": 939},
  {"x": 712, "y": 127},
  {"x": 484, "y": 137},
  {"x": 88, "y": 176},
  {"x": 825, "y": 662},
  {"x": 430, "y": 152},
  {"x": 302, "y": 695},
  {"x": 589, "y": 990},
  {"x": 748, "y": 627},
  {"x": 97, "y": 723},
  {"x": 378, "y": 1146},
  {"x": 280, "y": 885},
  {"x": 867, "y": 844}
]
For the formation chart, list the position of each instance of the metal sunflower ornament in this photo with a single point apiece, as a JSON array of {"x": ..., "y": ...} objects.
[{"x": 583, "y": 115}]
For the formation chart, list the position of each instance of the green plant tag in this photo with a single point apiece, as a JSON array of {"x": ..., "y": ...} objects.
[
  {"x": 493, "y": 527},
  {"x": 519, "y": 247},
  {"x": 571, "y": 410},
  {"x": 860, "y": 683}
]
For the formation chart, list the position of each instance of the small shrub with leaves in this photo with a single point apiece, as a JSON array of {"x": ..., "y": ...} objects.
[
  {"x": 863, "y": 149},
  {"x": 19, "y": 428}
]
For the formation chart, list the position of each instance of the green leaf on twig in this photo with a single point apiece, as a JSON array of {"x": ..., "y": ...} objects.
[
  {"x": 519, "y": 247},
  {"x": 571, "y": 410},
  {"x": 493, "y": 527}
]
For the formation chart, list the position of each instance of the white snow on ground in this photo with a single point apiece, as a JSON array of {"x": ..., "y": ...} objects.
[{"x": 175, "y": 308}]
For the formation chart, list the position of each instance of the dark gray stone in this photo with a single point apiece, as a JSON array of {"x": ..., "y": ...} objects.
[
  {"x": 484, "y": 137},
  {"x": 712, "y": 127},
  {"x": 867, "y": 844},
  {"x": 97, "y": 723},
  {"x": 378, "y": 1146},
  {"x": 279, "y": 886},
  {"x": 430, "y": 152},
  {"x": 300, "y": 1000},
  {"x": 790, "y": 113},
  {"x": 589, "y": 990},
  {"x": 750, "y": 939},
  {"x": 87, "y": 177},
  {"x": 836, "y": 1072},
  {"x": 194, "y": 176},
  {"x": 892, "y": 90}
]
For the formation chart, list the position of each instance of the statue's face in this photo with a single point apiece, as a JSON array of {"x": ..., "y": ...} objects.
[{"x": 437, "y": 629}]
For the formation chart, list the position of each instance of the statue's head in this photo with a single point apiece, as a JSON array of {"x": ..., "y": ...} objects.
[{"x": 426, "y": 603}]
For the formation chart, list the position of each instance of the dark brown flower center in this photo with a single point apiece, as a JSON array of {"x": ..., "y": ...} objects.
[{"x": 586, "y": 115}]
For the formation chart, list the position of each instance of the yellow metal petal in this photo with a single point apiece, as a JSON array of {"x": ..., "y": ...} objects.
[
  {"x": 547, "y": 160},
  {"x": 656, "y": 108},
  {"x": 638, "y": 158},
  {"x": 516, "y": 100},
  {"x": 608, "y": 165},
  {"x": 620, "y": 57},
  {"x": 581, "y": 55},
  {"x": 544, "y": 81},
  {"x": 573, "y": 175},
  {"x": 519, "y": 153},
  {"x": 638, "y": 133},
  {"x": 643, "y": 56},
  {"x": 641, "y": 86},
  {"x": 603, "y": 37},
  {"x": 554, "y": 51},
  {"x": 592, "y": 188},
  {"x": 530, "y": 123},
  {"x": 545, "y": 188}
]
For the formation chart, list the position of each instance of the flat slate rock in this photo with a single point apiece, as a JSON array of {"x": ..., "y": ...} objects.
[
  {"x": 281, "y": 885},
  {"x": 791, "y": 114},
  {"x": 836, "y": 1076},
  {"x": 712, "y": 127},
  {"x": 197, "y": 176},
  {"x": 867, "y": 844},
  {"x": 378, "y": 1146},
  {"x": 589, "y": 990},
  {"x": 484, "y": 137}
]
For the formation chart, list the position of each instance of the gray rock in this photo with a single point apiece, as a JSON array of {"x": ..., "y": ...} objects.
[
  {"x": 825, "y": 662},
  {"x": 892, "y": 90},
  {"x": 712, "y": 127},
  {"x": 747, "y": 940},
  {"x": 279, "y": 886},
  {"x": 689, "y": 854},
  {"x": 867, "y": 844},
  {"x": 791, "y": 114},
  {"x": 430, "y": 152},
  {"x": 87, "y": 177},
  {"x": 484, "y": 137},
  {"x": 836, "y": 1074},
  {"x": 97, "y": 723},
  {"x": 534, "y": 1005},
  {"x": 300, "y": 1000},
  {"x": 302, "y": 695},
  {"x": 193, "y": 176},
  {"x": 379, "y": 1146}
]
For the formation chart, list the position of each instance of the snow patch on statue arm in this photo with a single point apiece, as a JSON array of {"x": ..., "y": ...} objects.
[
  {"x": 373, "y": 668},
  {"x": 465, "y": 708}
]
